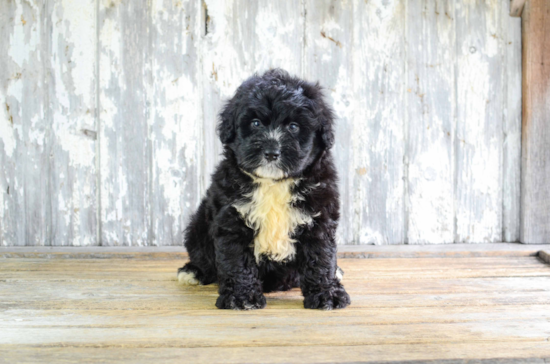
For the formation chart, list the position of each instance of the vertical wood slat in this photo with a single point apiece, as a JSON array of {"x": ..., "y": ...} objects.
[
  {"x": 511, "y": 163},
  {"x": 125, "y": 149},
  {"x": 72, "y": 101},
  {"x": 328, "y": 58},
  {"x": 24, "y": 129},
  {"x": 11, "y": 94},
  {"x": 535, "y": 161},
  {"x": 431, "y": 111},
  {"x": 176, "y": 118},
  {"x": 378, "y": 135},
  {"x": 478, "y": 147},
  {"x": 48, "y": 157}
]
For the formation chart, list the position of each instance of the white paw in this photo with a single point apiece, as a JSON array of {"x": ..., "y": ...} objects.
[
  {"x": 187, "y": 279},
  {"x": 339, "y": 274}
]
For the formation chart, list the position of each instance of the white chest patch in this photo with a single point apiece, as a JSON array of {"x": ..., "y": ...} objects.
[{"x": 269, "y": 212}]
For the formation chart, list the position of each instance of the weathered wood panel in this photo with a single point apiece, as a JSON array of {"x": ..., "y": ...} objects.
[
  {"x": 511, "y": 163},
  {"x": 516, "y": 7},
  {"x": 535, "y": 163},
  {"x": 478, "y": 142},
  {"x": 427, "y": 95},
  {"x": 124, "y": 144},
  {"x": 175, "y": 120},
  {"x": 24, "y": 128},
  {"x": 430, "y": 117},
  {"x": 10, "y": 133},
  {"x": 328, "y": 58},
  {"x": 72, "y": 102},
  {"x": 378, "y": 143}
]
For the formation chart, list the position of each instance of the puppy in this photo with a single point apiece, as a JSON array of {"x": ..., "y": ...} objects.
[{"x": 268, "y": 221}]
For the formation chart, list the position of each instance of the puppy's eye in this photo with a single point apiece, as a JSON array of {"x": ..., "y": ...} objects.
[
  {"x": 256, "y": 123},
  {"x": 293, "y": 127}
]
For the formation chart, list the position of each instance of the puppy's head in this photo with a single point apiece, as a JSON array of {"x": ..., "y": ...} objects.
[{"x": 276, "y": 125}]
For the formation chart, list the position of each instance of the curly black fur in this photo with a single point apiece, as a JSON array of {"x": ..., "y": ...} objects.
[{"x": 254, "y": 123}]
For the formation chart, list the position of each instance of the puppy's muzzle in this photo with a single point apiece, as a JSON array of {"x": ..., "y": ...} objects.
[
  {"x": 272, "y": 154},
  {"x": 272, "y": 150}
]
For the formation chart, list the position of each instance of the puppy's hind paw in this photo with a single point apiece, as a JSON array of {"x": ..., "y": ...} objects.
[
  {"x": 251, "y": 301},
  {"x": 339, "y": 274},
  {"x": 336, "y": 297},
  {"x": 188, "y": 275},
  {"x": 187, "y": 278}
]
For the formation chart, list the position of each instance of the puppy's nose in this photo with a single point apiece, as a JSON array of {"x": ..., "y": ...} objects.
[{"x": 272, "y": 154}]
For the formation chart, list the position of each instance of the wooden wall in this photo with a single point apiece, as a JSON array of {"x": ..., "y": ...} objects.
[
  {"x": 108, "y": 111},
  {"x": 535, "y": 167}
]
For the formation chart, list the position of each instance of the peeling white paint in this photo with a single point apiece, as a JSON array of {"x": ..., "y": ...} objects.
[
  {"x": 110, "y": 37},
  {"x": 356, "y": 49},
  {"x": 36, "y": 135},
  {"x": 4, "y": 241},
  {"x": 26, "y": 31},
  {"x": 430, "y": 197},
  {"x": 431, "y": 109},
  {"x": 178, "y": 112},
  {"x": 6, "y": 131},
  {"x": 80, "y": 20}
]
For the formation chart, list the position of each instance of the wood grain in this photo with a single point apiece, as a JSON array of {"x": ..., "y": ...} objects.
[
  {"x": 72, "y": 98},
  {"x": 175, "y": 120},
  {"x": 328, "y": 57},
  {"x": 535, "y": 168},
  {"x": 112, "y": 284},
  {"x": 266, "y": 334},
  {"x": 511, "y": 163},
  {"x": 108, "y": 112},
  {"x": 479, "y": 353},
  {"x": 25, "y": 117},
  {"x": 516, "y": 7},
  {"x": 478, "y": 196},
  {"x": 430, "y": 114},
  {"x": 124, "y": 144},
  {"x": 78, "y": 310},
  {"x": 378, "y": 139}
]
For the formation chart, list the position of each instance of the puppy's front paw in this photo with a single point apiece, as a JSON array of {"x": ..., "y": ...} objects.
[
  {"x": 336, "y": 297},
  {"x": 250, "y": 301}
]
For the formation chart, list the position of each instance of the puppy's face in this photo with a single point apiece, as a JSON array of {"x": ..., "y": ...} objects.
[
  {"x": 276, "y": 125},
  {"x": 275, "y": 142}
]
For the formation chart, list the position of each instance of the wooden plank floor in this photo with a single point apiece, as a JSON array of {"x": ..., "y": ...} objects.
[{"x": 132, "y": 310}]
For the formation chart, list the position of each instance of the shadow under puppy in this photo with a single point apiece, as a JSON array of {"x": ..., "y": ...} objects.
[{"x": 268, "y": 221}]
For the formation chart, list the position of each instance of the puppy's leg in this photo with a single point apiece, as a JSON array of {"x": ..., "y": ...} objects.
[
  {"x": 200, "y": 247},
  {"x": 240, "y": 287},
  {"x": 319, "y": 279}
]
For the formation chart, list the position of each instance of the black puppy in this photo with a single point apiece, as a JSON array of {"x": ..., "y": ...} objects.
[{"x": 268, "y": 221}]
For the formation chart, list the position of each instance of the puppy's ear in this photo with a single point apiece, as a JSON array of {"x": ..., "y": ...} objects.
[
  {"x": 226, "y": 126},
  {"x": 326, "y": 131},
  {"x": 327, "y": 136},
  {"x": 323, "y": 113}
]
